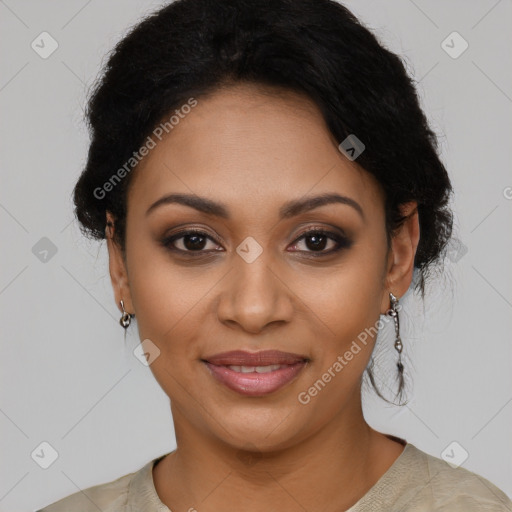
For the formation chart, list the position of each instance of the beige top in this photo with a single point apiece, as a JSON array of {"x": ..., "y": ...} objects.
[{"x": 415, "y": 482}]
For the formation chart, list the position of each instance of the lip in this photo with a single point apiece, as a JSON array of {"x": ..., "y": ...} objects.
[
  {"x": 254, "y": 383},
  {"x": 262, "y": 358}
]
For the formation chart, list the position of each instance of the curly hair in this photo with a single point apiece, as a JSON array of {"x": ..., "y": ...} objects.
[{"x": 191, "y": 48}]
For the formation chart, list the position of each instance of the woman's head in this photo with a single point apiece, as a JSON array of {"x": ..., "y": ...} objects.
[{"x": 244, "y": 104}]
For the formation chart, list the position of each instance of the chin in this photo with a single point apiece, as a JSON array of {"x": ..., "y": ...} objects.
[{"x": 260, "y": 429}]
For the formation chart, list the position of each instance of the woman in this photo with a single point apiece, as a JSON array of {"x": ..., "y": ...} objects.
[{"x": 268, "y": 187}]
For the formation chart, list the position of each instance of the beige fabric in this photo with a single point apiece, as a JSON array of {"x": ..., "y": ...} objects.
[{"x": 415, "y": 482}]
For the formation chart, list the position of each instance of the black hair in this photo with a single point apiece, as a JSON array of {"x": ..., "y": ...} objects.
[{"x": 191, "y": 48}]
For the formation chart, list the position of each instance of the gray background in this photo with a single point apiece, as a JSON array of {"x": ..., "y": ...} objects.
[{"x": 67, "y": 376}]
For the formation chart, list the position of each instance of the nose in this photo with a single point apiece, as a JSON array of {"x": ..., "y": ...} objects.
[{"x": 254, "y": 296}]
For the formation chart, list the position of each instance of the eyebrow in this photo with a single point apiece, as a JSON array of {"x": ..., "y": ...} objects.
[{"x": 289, "y": 209}]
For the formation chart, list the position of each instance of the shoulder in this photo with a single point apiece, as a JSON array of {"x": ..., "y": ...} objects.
[
  {"x": 107, "y": 497},
  {"x": 452, "y": 488}
]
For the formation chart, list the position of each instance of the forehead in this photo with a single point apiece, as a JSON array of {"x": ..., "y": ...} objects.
[{"x": 248, "y": 146}]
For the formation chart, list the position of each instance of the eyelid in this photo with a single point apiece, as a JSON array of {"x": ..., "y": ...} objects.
[
  {"x": 327, "y": 230},
  {"x": 180, "y": 231}
]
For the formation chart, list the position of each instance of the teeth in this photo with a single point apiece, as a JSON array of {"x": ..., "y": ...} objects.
[
  {"x": 257, "y": 369},
  {"x": 266, "y": 369}
]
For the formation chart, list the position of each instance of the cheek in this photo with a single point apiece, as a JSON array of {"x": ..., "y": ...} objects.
[
  {"x": 347, "y": 300},
  {"x": 346, "y": 305},
  {"x": 172, "y": 304},
  {"x": 168, "y": 306}
]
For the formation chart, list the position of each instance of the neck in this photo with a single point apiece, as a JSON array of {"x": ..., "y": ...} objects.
[{"x": 330, "y": 470}]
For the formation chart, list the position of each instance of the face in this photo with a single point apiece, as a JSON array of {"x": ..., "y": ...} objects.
[{"x": 266, "y": 268}]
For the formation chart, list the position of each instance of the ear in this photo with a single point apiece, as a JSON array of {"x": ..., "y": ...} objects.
[
  {"x": 117, "y": 267},
  {"x": 400, "y": 265}
]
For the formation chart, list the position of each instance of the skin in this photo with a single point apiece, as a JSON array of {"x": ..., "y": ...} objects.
[{"x": 253, "y": 148}]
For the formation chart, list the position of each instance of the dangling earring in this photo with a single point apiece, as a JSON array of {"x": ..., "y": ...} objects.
[
  {"x": 393, "y": 312},
  {"x": 126, "y": 319}
]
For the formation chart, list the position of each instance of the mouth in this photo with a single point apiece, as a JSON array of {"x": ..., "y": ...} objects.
[{"x": 255, "y": 373}]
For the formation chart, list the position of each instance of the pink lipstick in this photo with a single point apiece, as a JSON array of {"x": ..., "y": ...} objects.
[{"x": 255, "y": 373}]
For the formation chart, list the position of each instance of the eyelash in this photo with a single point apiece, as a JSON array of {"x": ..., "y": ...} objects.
[{"x": 341, "y": 241}]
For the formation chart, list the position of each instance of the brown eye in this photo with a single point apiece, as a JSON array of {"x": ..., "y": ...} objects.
[
  {"x": 188, "y": 241},
  {"x": 316, "y": 241}
]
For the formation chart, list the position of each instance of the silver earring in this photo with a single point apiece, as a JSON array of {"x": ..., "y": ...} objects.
[
  {"x": 393, "y": 312},
  {"x": 126, "y": 319}
]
